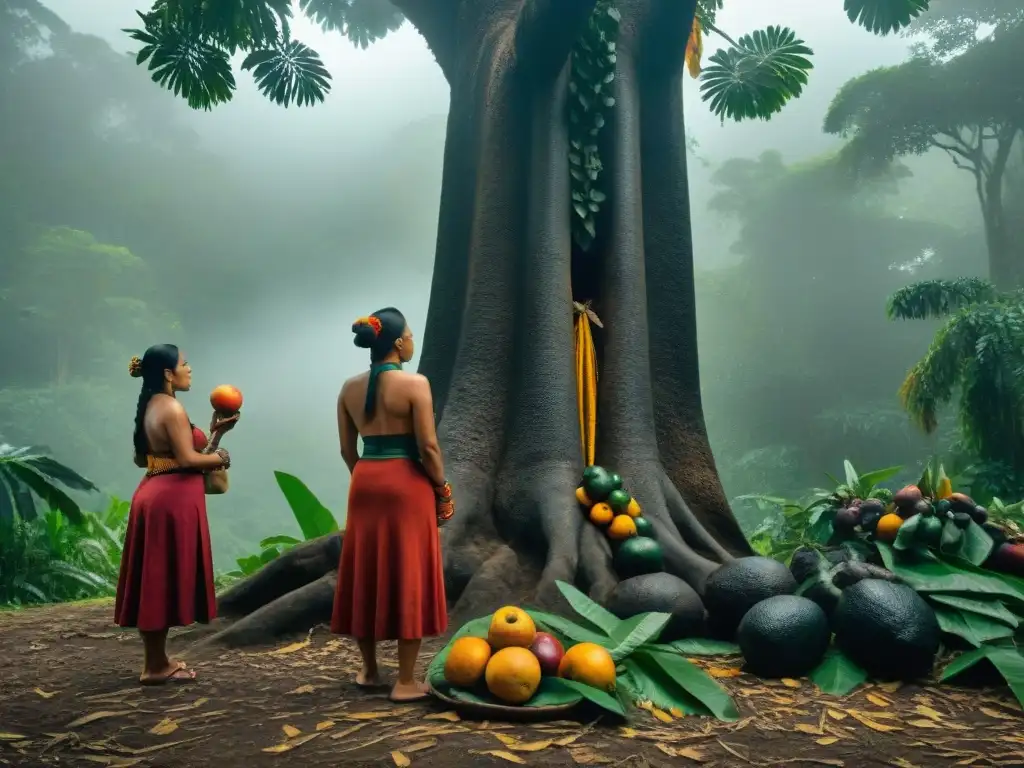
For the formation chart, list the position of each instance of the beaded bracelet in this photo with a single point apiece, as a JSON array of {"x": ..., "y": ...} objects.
[
  {"x": 225, "y": 457},
  {"x": 443, "y": 491}
]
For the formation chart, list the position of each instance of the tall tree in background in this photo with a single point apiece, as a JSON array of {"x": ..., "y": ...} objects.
[
  {"x": 564, "y": 178},
  {"x": 961, "y": 94}
]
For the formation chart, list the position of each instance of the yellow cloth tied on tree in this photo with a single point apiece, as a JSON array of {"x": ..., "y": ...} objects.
[{"x": 586, "y": 382}]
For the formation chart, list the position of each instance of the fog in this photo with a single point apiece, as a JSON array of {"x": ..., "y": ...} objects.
[{"x": 299, "y": 220}]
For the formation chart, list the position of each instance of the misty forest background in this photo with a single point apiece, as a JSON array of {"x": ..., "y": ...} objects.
[{"x": 253, "y": 235}]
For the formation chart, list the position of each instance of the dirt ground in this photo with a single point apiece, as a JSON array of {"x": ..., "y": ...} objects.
[{"x": 69, "y": 698}]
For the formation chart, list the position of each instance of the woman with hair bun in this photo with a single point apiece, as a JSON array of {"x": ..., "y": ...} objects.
[
  {"x": 390, "y": 578},
  {"x": 166, "y": 567}
]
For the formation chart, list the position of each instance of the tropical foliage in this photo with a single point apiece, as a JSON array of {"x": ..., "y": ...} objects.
[
  {"x": 29, "y": 474},
  {"x": 979, "y": 353}
]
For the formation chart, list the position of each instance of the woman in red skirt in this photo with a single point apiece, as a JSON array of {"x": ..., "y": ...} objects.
[
  {"x": 390, "y": 579},
  {"x": 166, "y": 566}
]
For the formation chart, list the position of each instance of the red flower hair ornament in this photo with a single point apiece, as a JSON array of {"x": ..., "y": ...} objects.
[{"x": 373, "y": 322}]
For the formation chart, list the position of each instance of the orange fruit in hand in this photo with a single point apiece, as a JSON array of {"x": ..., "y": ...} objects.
[
  {"x": 581, "y": 497},
  {"x": 590, "y": 664},
  {"x": 622, "y": 527},
  {"x": 601, "y": 514},
  {"x": 888, "y": 526},
  {"x": 466, "y": 662},
  {"x": 511, "y": 626},
  {"x": 226, "y": 399},
  {"x": 513, "y": 675}
]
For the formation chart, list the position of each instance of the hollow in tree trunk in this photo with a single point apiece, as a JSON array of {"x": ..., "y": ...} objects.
[{"x": 499, "y": 338}]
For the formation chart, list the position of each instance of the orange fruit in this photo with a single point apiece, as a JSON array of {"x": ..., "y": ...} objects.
[
  {"x": 581, "y": 497},
  {"x": 226, "y": 399},
  {"x": 601, "y": 514},
  {"x": 590, "y": 664},
  {"x": 466, "y": 662},
  {"x": 888, "y": 526},
  {"x": 511, "y": 627},
  {"x": 513, "y": 675},
  {"x": 633, "y": 508},
  {"x": 622, "y": 527}
]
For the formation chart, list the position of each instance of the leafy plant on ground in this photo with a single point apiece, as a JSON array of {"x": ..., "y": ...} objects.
[
  {"x": 791, "y": 524},
  {"x": 648, "y": 673},
  {"x": 28, "y": 474},
  {"x": 313, "y": 518},
  {"x": 49, "y": 559}
]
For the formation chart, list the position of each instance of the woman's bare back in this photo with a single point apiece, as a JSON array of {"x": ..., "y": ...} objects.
[{"x": 393, "y": 414}]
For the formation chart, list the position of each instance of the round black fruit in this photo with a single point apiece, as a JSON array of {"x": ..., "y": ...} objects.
[
  {"x": 872, "y": 505},
  {"x": 847, "y": 519},
  {"x": 739, "y": 585},
  {"x": 961, "y": 520},
  {"x": 869, "y": 521},
  {"x": 979, "y": 515},
  {"x": 662, "y": 593},
  {"x": 887, "y": 628},
  {"x": 783, "y": 636}
]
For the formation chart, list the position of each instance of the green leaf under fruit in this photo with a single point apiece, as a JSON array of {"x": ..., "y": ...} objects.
[
  {"x": 1006, "y": 659},
  {"x": 837, "y": 675},
  {"x": 636, "y": 631},
  {"x": 972, "y": 627},
  {"x": 643, "y": 681},
  {"x": 906, "y": 536},
  {"x": 588, "y": 609},
  {"x": 673, "y": 669},
  {"x": 934, "y": 575},
  {"x": 565, "y": 629},
  {"x": 991, "y": 607},
  {"x": 697, "y": 646},
  {"x": 589, "y": 692}
]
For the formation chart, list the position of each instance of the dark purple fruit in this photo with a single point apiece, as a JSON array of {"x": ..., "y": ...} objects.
[
  {"x": 872, "y": 505},
  {"x": 979, "y": 515},
  {"x": 869, "y": 521},
  {"x": 846, "y": 519},
  {"x": 997, "y": 534},
  {"x": 961, "y": 520},
  {"x": 1007, "y": 558},
  {"x": 922, "y": 507},
  {"x": 907, "y": 497},
  {"x": 961, "y": 502}
]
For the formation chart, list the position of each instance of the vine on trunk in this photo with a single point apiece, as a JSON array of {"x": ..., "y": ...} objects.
[{"x": 590, "y": 100}]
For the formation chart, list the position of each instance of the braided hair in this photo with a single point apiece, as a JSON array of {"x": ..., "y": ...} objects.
[{"x": 150, "y": 368}]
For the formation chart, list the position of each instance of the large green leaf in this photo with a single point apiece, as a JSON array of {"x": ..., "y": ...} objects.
[
  {"x": 565, "y": 629},
  {"x": 972, "y": 627},
  {"x": 59, "y": 472},
  {"x": 756, "y": 77},
  {"x": 550, "y": 693},
  {"x": 972, "y": 544},
  {"x": 643, "y": 681},
  {"x": 588, "y": 609},
  {"x": 697, "y": 646},
  {"x": 289, "y": 73},
  {"x": 934, "y": 575},
  {"x": 884, "y": 16},
  {"x": 836, "y": 675},
  {"x": 634, "y": 632},
  {"x": 44, "y": 488},
  {"x": 852, "y": 479},
  {"x": 1006, "y": 658},
  {"x": 672, "y": 669},
  {"x": 314, "y": 519},
  {"x": 595, "y": 695},
  {"x": 867, "y": 482},
  {"x": 991, "y": 607},
  {"x": 906, "y": 536},
  {"x": 474, "y": 628}
]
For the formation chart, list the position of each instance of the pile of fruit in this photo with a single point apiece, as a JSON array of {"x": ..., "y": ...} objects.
[
  {"x": 610, "y": 507},
  {"x": 514, "y": 657}
]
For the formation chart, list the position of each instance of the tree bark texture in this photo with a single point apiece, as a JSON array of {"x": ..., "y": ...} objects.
[{"x": 498, "y": 341}]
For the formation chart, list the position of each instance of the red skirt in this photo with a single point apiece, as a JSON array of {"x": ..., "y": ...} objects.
[
  {"x": 390, "y": 579},
  {"x": 166, "y": 565}
]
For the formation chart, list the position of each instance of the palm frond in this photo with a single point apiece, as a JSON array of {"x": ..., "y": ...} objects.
[
  {"x": 884, "y": 16},
  {"x": 938, "y": 298},
  {"x": 25, "y": 476},
  {"x": 361, "y": 21},
  {"x": 756, "y": 77},
  {"x": 289, "y": 73}
]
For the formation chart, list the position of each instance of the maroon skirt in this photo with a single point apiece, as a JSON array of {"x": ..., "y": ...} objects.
[
  {"x": 390, "y": 579},
  {"x": 166, "y": 565}
]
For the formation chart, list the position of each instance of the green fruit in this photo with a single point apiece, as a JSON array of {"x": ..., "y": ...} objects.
[
  {"x": 591, "y": 471},
  {"x": 942, "y": 506},
  {"x": 887, "y": 629},
  {"x": 598, "y": 485},
  {"x": 784, "y": 636},
  {"x": 929, "y": 531},
  {"x": 619, "y": 500},
  {"x": 739, "y": 585},
  {"x": 616, "y": 481},
  {"x": 644, "y": 527},
  {"x": 636, "y": 556}
]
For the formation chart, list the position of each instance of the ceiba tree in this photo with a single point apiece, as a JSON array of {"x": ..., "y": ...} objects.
[{"x": 564, "y": 178}]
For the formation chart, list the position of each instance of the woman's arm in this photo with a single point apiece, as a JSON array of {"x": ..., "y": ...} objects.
[
  {"x": 179, "y": 435},
  {"x": 423, "y": 425},
  {"x": 347, "y": 433}
]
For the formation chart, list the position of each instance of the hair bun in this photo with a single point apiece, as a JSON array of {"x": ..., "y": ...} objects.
[
  {"x": 364, "y": 335},
  {"x": 135, "y": 367}
]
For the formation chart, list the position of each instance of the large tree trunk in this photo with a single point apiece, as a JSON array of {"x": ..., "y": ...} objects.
[
  {"x": 499, "y": 343},
  {"x": 1005, "y": 259}
]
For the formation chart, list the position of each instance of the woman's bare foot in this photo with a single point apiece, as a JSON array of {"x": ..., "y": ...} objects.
[
  {"x": 367, "y": 678},
  {"x": 415, "y": 691},
  {"x": 174, "y": 672}
]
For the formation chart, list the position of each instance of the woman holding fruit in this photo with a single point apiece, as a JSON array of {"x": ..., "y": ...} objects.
[
  {"x": 166, "y": 566},
  {"x": 390, "y": 578}
]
